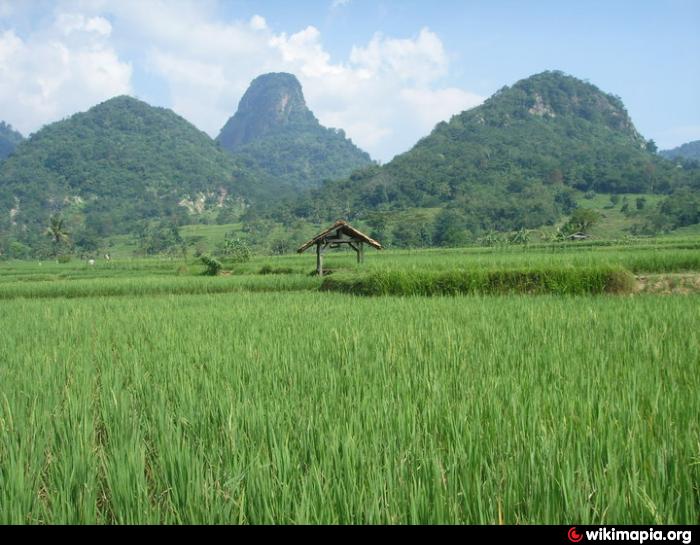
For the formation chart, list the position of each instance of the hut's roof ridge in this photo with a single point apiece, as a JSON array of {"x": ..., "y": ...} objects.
[{"x": 347, "y": 229}]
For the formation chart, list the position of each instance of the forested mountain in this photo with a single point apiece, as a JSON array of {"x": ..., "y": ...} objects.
[
  {"x": 9, "y": 140},
  {"x": 275, "y": 132},
  {"x": 521, "y": 160},
  {"x": 515, "y": 161},
  {"x": 691, "y": 151},
  {"x": 107, "y": 169}
]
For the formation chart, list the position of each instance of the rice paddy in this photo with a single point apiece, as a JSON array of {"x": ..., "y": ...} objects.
[{"x": 130, "y": 393}]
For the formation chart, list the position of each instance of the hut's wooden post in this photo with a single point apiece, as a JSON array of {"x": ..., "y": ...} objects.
[
  {"x": 360, "y": 252},
  {"x": 319, "y": 259}
]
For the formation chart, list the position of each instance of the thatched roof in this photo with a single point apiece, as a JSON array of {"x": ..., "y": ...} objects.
[{"x": 338, "y": 229}]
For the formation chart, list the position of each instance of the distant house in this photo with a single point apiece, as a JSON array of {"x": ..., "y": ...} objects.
[
  {"x": 340, "y": 233},
  {"x": 579, "y": 236}
]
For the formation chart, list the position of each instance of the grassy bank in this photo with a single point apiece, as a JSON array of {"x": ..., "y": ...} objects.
[{"x": 562, "y": 281}]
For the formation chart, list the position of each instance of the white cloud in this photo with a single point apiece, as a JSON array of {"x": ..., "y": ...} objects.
[
  {"x": 422, "y": 59},
  {"x": 100, "y": 25},
  {"x": 339, "y": 3},
  {"x": 70, "y": 23},
  {"x": 55, "y": 72},
  {"x": 258, "y": 23},
  {"x": 386, "y": 94}
]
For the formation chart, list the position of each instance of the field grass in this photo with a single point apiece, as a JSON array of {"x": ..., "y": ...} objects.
[
  {"x": 295, "y": 408},
  {"x": 140, "y": 391},
  {"x": 111, "y": 287},
  {"x": 613, "y": 222},
  {"x": 637, "y": 260},
  {"x": 561, "y": 281}
]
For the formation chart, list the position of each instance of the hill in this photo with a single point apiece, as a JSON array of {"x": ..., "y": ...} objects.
[
  {"x": 522, "y": 159},
  {"x": 9, "y": 140},
  {"x": 114, "y": 166},
  {"x": 274, "y": 131},
  {"x": 690, "y": 151}
]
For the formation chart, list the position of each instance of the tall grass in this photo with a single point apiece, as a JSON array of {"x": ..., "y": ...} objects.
[
  {"x": 310, "y": 407},
  {"x": 109, "y": 287},
  {"x": 561, "y": 281},
  {"x": 636, "y": 259}
]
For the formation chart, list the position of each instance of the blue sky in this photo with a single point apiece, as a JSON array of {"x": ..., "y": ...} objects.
[{"x": 385, "y": 71}]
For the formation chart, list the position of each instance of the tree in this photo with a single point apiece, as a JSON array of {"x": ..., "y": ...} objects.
[
  {"x": 280, "y": 246},
  {"x": 379, "y": 224},
  {"x": 450, "y": 228},
  {"x": 412, "y": 234},
  {"x": 582, "y": 220},
  {"x": 57, "y": 233},
  {"x": 163, "y": 237},
  {"x": 236, "y": 248},
  {"x": 87, "y": 241},
  {"x": 521, "y": 236}
]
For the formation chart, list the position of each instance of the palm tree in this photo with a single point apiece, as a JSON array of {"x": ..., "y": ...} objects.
[{"x": 56, "y": 232}]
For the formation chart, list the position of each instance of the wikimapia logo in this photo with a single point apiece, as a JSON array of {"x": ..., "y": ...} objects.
[
  {"x": 574, "y": 536},
  {"x": 630, "y": 536}
]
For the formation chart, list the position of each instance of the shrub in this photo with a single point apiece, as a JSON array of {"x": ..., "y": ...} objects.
[
  {"x": 213, "y": 265},
  {"x": 237, "y": 250}
]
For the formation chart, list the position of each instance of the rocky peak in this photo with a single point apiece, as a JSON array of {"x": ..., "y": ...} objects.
[{"x": 272, "y": 101}]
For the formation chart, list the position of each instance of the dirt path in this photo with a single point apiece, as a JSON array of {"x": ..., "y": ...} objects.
[{"x": 682, "y": 283}]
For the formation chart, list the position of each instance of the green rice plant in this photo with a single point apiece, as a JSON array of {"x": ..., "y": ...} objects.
[
  {"x": 561, "y": 281},
  {"x": 324, "y": 408},
  {"x": 176, "y": 285}
]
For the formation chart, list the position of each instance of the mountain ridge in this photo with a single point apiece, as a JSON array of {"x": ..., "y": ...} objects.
[
  {"x": 274, "y": 131},
  {"x": 117, "y": 164},
  {"x": 516, "y": 161},
  {"x": 689, "y": 150}
]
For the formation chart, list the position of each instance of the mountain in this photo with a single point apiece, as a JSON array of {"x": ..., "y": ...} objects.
[
  {"x": 113, "y": 166},
  {"x": 9, "y": 140},
  {"x": 518, "y": 160},
  {"x": 691, "y": 151},
  {"x": 274, "y": 131}
]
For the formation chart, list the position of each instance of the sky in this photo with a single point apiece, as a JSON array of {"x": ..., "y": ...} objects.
[{"x": 385, "y": 71}]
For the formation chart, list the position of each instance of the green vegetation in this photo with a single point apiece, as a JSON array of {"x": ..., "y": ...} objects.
[
  {"x": 111, "y": 168},
  {"x": 40, "y": 288},
  {"x": 57, "y": 233},
  {"x": 260, "y": 408},
  {"x": 236, "y": 249},
  {"x": 518, "y": 161},
  {"x": 487, "y": 368},
  {"x": 130, "y": 179},
  {"x": 565, "y": 281},
  {"x": 213, "y": 265},
  {"x": 168, "y": 396},
  {"x": 689, "y": 151},
  {"x": 9, "y": 140},
  {"x": 274, "y": 132},
  {"x": 583, "y": 219}
]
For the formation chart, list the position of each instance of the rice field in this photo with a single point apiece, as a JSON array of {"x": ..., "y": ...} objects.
[{"x": 131, "y": 393}]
